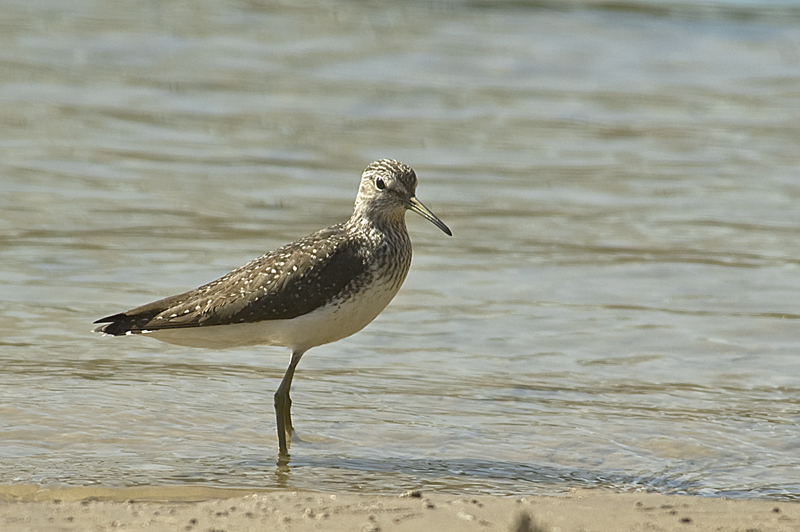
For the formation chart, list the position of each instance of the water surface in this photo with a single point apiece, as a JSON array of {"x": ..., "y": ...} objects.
[{"x": 617, "y": 306}]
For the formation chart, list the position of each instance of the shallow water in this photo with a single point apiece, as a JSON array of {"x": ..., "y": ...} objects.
[{"x": 617, "y": 306}]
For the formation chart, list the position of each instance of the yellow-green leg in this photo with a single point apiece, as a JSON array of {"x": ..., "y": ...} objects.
[{"x": 283, "y": 406}]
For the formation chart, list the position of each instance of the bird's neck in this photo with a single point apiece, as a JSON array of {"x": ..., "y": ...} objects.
[{"x": 383, "y": 223}]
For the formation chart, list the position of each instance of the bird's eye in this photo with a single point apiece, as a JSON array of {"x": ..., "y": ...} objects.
[{"x": 379, "y": 184}]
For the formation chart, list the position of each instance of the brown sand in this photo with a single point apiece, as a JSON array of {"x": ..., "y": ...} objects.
[{"x": 28, "y": 508}]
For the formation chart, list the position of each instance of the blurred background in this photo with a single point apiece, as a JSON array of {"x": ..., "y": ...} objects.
[{"x": 618, "y": 306}]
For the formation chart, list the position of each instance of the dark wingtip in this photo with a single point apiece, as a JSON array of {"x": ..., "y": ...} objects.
[
  {"x": 110, "y": 319},
  {"x": 115, "y": 325}
]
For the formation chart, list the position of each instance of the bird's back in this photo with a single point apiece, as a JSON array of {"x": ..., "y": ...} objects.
[{"x": 321, "y": 275}]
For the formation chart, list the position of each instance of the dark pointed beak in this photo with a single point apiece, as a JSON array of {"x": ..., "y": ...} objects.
[{"x": 415, "y": 205}]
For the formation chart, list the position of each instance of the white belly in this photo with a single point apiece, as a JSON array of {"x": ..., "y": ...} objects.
[{"x": 322, "y": 326}]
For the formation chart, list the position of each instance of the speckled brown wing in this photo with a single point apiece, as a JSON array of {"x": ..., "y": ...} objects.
[{"x": 291, "y": 281}]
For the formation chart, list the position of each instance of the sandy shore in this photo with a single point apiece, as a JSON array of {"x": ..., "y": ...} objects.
[{"x": 28, "y": 508}]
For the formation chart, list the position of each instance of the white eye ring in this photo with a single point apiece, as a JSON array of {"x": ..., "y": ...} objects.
[{"x": 379, "y": 184}]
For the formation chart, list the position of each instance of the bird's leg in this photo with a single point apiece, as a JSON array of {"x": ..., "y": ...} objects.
[
  {"x": 287, "y": 417},
  {"x": 283, "y": 405}
]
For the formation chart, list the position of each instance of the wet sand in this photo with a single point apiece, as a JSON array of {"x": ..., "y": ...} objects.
[{"x": 24, "y": 508}]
